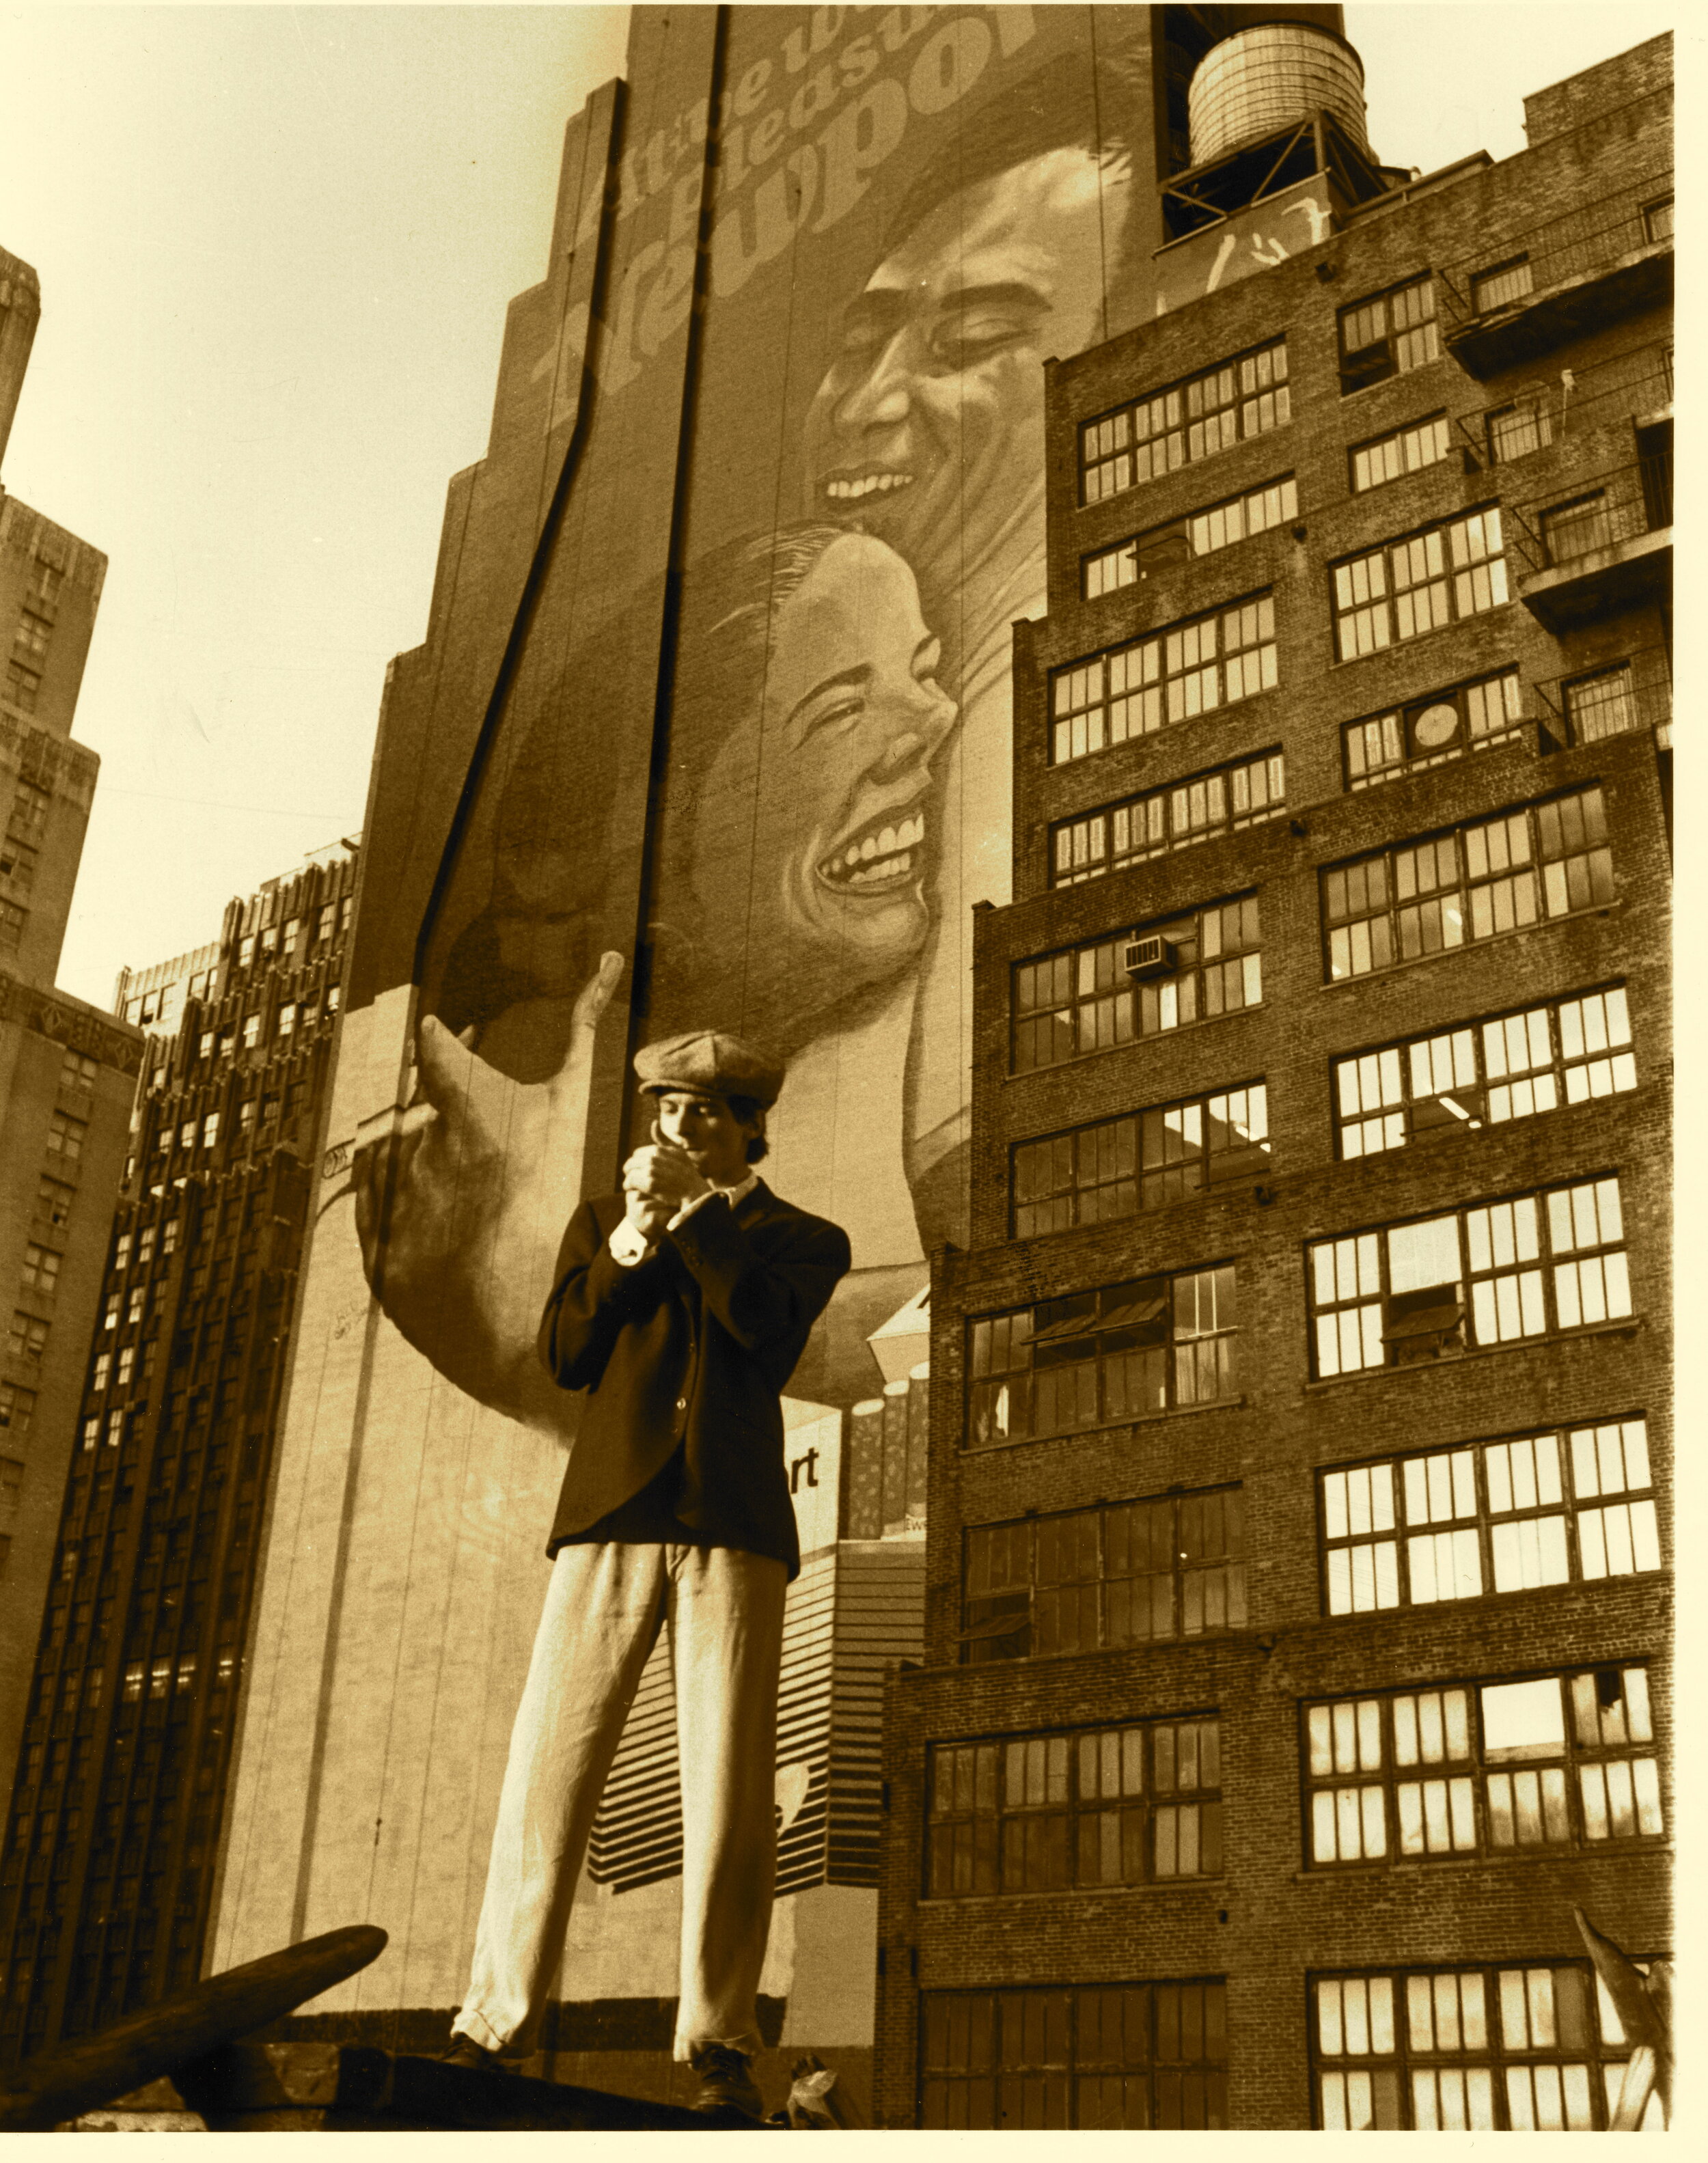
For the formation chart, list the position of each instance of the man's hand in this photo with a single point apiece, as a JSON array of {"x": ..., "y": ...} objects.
[
  {"x": 658, "y": 1180},
  {"x": 459, "y": 1214}
]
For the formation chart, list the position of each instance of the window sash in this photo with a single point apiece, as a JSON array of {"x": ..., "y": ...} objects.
[
  {"x": 1419, "y": 1775},
  {"x": 1401, "y": 451},
  {"x": 1390, "y": 333},
  {"x": 1471, "y": 1278},
  {"x": 1174, "y": 675},
  {"x": 1480, "y": 882},
  {"x": 1198, "y": 533},
  {"x": 1475, "y": 1074},
  {"x": 1178, "y": 816},
  {"x": 1116, "y": 1168},
  {"x": 1417, "y": 583},
  {"x": 1408, "y": 740},
  {"x": 1164, "y": 430}
]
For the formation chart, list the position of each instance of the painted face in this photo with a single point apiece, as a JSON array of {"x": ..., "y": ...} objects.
[
  {"x": 813, "y": 832},
  {"x": 929, "y": 425},
  {"x": 707, "y": 1130}
]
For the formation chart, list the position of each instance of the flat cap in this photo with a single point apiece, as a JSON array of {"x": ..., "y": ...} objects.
[{"x": 710, "y": 1064}]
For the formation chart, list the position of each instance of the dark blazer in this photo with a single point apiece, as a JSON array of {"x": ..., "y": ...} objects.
[{"x": 692, "y": 1346}]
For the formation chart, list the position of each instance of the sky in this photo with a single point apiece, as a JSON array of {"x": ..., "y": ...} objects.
[{"x": 276, "y": 246}]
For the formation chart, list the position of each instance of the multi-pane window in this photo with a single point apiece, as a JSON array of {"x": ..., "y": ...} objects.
[
  {"x": 1047, "y": 1813},
  {"x": 1141, "y": 2056},
  {"x": 1119, "y": 1166},
  {"x": 1657, "y": 219},
  {"x": 1199, "y": 533},
  {"x": 30, "y": 805},
  {"x": 1604, "y": 704},
  {"x": 1503, "y": 285},
  {"x": 1564, "y": 1507},
  {"x": 1555, "y": 1760},
  {"x": 66, "y": 1135},
  {"x": 1565, "y": 1052},
  {"x": 1389, "y": 334},
  {"x": 1223, "y": 800},
  {"x": 1228, "y": 404},
  {"x": 1123, "y": 1574},
  {"x": 1067, "y": 1005},
  {"x": 1401, "y": 451},
  {"x": 1175, "y": 676},
  {"x": 1417, "y": 583},
  {"x": 1515, "y": 430},
  {"x": 13, "y": 921},
  {"x": 77, "y": 1071},
  {"x": 1579, "y": 528},
  {"x": 1531, "y": 1267},
  {"x": 1429, "y": 731},
  {"x": 17, "y": 1410},
  {"x": 41, "y": 1268},
  {"x": 1534, "y": 2048},
  {"x": 1095, "y": 1359},
  {"x": 252, "y": 1031},
  {"x": 1481, "y": 882},
  {"x": 28, "y": 1336}
]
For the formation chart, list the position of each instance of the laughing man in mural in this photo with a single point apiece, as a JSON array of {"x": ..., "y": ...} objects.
[{"x": 681, "y": 1307}]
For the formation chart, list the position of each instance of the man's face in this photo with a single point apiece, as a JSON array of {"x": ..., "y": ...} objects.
[
  {"x": 706, "y": 1129},
  {"x": 929, "y": 427}
]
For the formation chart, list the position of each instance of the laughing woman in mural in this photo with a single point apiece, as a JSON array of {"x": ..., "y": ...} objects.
[{"x": 790, "y": 902}]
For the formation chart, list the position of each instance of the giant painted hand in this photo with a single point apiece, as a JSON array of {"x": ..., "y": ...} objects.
[{"x": 460, "y": 1210}]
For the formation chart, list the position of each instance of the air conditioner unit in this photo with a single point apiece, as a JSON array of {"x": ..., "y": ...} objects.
[{"x": 1147, "y": 957}]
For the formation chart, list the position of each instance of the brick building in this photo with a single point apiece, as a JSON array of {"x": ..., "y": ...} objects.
[
  {"x": 1296, "y": 1621},
  {"x": 108, "y": 1865},
  {"x": 67, "y": 1070}
]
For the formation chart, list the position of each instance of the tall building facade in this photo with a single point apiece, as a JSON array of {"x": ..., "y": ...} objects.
[
  {"x": 107, "y": 1876},
  {"x": 1297, "y": 1644},
  {"x": 67, "y": 1070},
  {"x": 759, "y": 430}
]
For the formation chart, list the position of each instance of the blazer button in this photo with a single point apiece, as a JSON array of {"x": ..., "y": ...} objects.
[{"x": 681, "y": 1404}]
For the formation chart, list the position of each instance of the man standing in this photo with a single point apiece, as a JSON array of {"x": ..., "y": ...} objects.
[{"x": 681, "y": 1307}]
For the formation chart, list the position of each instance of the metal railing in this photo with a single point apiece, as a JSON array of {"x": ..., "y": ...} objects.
[
  {"x": 1615, "y": 697},
  {"x": 1570, "y": 246},
  {"x": 1591, "y": 513}
]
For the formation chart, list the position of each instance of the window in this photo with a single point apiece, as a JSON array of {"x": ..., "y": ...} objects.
[
  {"x": 1199, "y": 533},
  {"x": 346, "y": 910},
  {"x": 1440, "y": 726},
  {"x": 23, "y": 685},
  {"x": 169, "y": 1235},
  {"x": 120, "y": 1250},
  {"x": 28, "y": 1336},
  {"x": 13, "y": 920},
  {"x": 1515, "y": 430},
  {"x": 17, "y": 1410},
  {"x": 78, "y": 1071},
  {"x": 246, "y": 1115},
  {"x": 1193, "y": 669},
  {"x": 1120, "y": 1167},
  {"x": 1474, "y": 1277},
  {"x": 210, "y": 1129},
  {"x": 89, "y": 1433},
  {"x": 1657, "y": 219},
  {"x": 292, "y": 928},
  {"x": 65, "y": 1134},
  {"x": 1601, "y": 705},
  {"x": 30, "y": 805},
  {"x": 1401, "y": 451},
  {"x": 1485, "y": 1073},
  {"x": 103, "y": 1367},
  {"x": 324, "y": 921},
  {"x": 1514, "y": 2049},
  {"x": 1491, "y": 1516},
  {"x": 1482, "y": 882},
  {"x": 308, "y": 1013},
  {"x": 1095, "y": 1359},
  {"x": 1144, "y": 2056},
  {"x": 1067, "y": 1005},
  {"x": 10, "y": 1481},
  {"x": 1558, "y": 1761},
  {"x": 133, "y": 1674},
  {"x": 270, "y": 939},
  {"x": 41, "y": 1269},
  {"x": 252, "y": 1031},
  {"x": 246, "y": 950},
  {"x": 186, "y": 1134},
  {"x": 204, "y": 1045},
  {"x": 1223, "y": 800},
  {"x": 29, "y": 641},
  {"x": 331, "y": 999},
  {"x": 1416, "y": 585},
  {"x": 1124, "y": 1573},
  {"x": 287, "y": 1021},
  {"x": 138, "y": 1293},
  {"x": 145, "y": 1244},
  {"x": 1501, "y": 287},
  {"x": 1388, "y": 335},
  {"x": 1578, "y": 528},
  {"x": 1047, "y": 1813},
  {"x": 1226, "y": 405}
]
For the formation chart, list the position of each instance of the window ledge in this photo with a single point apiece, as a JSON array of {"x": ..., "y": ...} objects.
[
  {"x": 1615, "y": 906},
  {"x": 1109, "y": 1426},
  {"x": 1486, "y": 1603},
  {"x": 1602, "y": 1850},
  {"x": 938, "y": 1903},
  {"x": 1627, "y": 1326}
]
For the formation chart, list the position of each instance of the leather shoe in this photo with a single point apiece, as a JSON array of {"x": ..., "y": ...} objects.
[
  {"x": 726, "y": 2077},
  {"x": 475, "y": 2057}
]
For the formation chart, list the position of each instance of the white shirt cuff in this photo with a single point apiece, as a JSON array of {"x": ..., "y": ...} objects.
[{"x": 628, "y": 1246}]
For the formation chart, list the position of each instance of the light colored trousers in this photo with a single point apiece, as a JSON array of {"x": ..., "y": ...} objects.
[{"x": 604, "y": 1608}]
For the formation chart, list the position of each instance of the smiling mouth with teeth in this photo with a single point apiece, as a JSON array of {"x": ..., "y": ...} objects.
[
  {"x": 862, "y": 486},
  {"x": 881, "y": 856}
]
